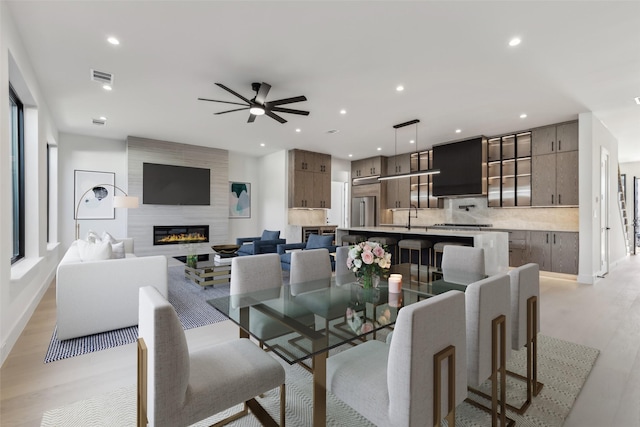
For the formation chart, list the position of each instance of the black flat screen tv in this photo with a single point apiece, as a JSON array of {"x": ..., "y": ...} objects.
[
  {"x": 461, "y": 168},
  {"x": 175, "y": 185}
]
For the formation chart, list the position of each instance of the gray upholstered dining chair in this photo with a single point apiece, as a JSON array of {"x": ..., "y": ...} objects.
[
  {"x": 261, "y": 273},
  {"x": 463, "y": 258},
  {"x": 525, "y": 325},
  {"x": 343, "y": 274},
  {"x": 393, "y": 384},
  {"x": 178, "y": 387},
  {"x": 311, "y": 264},
  {"x": 488, "y": 315}
]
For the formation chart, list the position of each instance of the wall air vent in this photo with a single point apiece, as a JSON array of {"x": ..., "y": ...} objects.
[
  {"x": 101, "y": 77},
  {"x": 99, "y": 122}
]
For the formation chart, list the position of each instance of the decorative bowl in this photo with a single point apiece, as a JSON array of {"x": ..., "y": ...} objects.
[{"x": 226, "y": 249}]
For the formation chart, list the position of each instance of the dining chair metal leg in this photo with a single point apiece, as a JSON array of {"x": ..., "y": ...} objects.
[
  {"x": 142, "y": 384},
  {"x": 448, "y": 355}
]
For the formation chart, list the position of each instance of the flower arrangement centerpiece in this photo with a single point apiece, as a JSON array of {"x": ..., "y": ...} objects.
[{"x": 369, "y": 261}]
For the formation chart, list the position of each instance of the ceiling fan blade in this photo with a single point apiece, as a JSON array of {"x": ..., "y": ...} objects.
[
  {"x": 290, "y": 111},
  {"x": 285, "y": 101},
  {"x": 231, "y": 111},
  {"x": 224, "y": 102},
  {"x": 233, "y": 92},
  {"x": 262, "y": 92},
  {"x": 275, "y": 116},
  {"x": 252, "y": 117}
]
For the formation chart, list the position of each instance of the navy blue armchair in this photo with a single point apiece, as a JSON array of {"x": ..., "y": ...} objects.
[
  {"x": 267, "y": 243},
  {"x": 313, "y": 242}
]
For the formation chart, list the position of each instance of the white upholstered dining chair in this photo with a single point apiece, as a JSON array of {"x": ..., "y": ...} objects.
[
  {"x": 525, "y": 325},
  {"x": 178, "y": 387},
  {"x": 343, "y": 273},
  {"x": 393, "y": 384},
  {"x": 463, "y": 258},
  {"x": 488, "y": 314},
  {"x": 308, "y": 265}
]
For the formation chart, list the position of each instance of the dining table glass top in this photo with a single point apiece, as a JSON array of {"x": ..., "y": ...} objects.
[{"x": 301, "y": 320}]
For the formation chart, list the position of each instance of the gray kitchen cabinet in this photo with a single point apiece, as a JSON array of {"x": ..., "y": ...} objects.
[
  {"x": 555, "y": 138},
  {"x": 518, "y": 249},
  {"x": 368, "y": 167},
  {"x": 555, "y": 251},
  {"x": 567, "y": 178},
  {"x": 309, "y": 179},
  {"x": 398, "y": 190},
  {"x": 554, "y": 179}
]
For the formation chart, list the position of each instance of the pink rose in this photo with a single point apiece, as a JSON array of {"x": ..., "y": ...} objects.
[
  {"x": 367, "y": 257},
  {"x": 367, "y": 327},
  {"x": 378, "y": 251},
  {"x": 349, "y": 263}
]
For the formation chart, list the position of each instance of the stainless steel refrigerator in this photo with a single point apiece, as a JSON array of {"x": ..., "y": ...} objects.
[{"x": 363, "y": 211}]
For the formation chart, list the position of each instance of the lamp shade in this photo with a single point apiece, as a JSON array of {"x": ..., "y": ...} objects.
[{"x": 129, "y": 202}]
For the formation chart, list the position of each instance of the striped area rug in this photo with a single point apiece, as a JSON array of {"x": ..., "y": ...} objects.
[
  {"x": 563, "y": 368},
  {"x": 189, "y": 300}
]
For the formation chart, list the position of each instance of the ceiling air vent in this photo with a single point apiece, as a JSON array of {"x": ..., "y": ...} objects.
[
  {"x": 99, "y": 122},
  {"x": 101, "y": 77}
]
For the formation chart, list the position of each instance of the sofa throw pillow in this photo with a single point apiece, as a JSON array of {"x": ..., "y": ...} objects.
[
  {"x": 117, "y": 250},
  {"x": 92, "y": 237},
  {"x": 108, "y": 237},
  {"x": 316, "y": 241},
  {"x": 270, "y": 235},
  {"x": 94, "y": 251}
]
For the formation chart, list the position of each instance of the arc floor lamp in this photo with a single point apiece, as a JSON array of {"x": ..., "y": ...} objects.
[{"x": 126, "y": 201}]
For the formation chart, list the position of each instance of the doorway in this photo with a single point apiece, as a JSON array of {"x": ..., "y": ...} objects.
[
  {"x": 604, "y": 212},
  {"x": 636, "y": 211}
]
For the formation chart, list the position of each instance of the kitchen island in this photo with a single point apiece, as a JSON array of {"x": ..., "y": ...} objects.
[{"x": 494, "y": 243}]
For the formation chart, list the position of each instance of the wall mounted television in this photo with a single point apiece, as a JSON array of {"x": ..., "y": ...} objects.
[
  {"x": 175, "y": 185},
  {"x": 462, "y": 168}
]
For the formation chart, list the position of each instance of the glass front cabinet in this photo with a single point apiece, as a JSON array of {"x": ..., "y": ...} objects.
[{"x": 509, "y": 170}]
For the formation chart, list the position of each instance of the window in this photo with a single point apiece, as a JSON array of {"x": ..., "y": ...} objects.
[{"x": 17, "y": 174}]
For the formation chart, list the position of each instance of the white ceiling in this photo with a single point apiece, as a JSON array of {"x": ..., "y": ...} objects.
[{"x": 452, "y": 57}]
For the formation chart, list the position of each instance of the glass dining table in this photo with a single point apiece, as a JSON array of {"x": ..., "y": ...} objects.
[{"x": 341, "y": 312}]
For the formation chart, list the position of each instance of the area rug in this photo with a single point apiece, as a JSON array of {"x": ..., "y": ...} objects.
[
  {"x": 189, "y": 300},
  {"x": 563, "y": 368}
]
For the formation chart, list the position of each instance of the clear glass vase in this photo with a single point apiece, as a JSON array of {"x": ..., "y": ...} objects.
[{"x": 369, "y": 280}]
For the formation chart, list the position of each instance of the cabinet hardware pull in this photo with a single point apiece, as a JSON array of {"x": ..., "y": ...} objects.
[
  {"x": 559, "y": 145},
  {"x": 554, "y": 238},
  {"x": 552, "y": 199},
  {"x": 559, "y": 199},
  {"x": 547, "y": 237},
  {"x": 551, "y": 145}
]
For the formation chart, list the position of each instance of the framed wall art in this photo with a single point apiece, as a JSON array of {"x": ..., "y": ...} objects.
[
  {"x": 239, "y": 200},
  {"x": 91, "y": 199}
]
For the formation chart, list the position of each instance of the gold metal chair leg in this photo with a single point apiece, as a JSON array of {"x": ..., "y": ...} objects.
[
  {"x": 448, "y": 354},
  {"x": 142, "y": 384}
]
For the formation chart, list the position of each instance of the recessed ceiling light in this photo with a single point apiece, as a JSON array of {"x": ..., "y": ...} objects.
[
  {"x": 113, "y": 41},
  {"x": 523, "y": 116},
  {"x": 343, "y": 111},
  {"x": 106, "y": 87},
  {"x": 262, "y": 144},
  {"x": 103, "y": 118},
  {"x": 458, "y": 130},
  {"x": 514, "y": 41},
  {"x": 350, "y": 155},
  {"x": 399, "y": 88},
  {"x": 298, "y": 130},
  {"x": 412, "y": 141},
  {"x": 379, "y": 148},
  {"x": 637, "y": 98}
]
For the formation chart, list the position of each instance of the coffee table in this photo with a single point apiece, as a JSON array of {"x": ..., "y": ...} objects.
[{"x": 209, "y": 272}]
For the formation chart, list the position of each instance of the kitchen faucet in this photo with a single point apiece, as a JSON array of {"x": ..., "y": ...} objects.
[{"x": 409, "y": 219}]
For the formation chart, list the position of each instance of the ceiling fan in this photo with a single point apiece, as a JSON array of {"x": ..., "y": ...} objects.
[{"x": 258, "y": 106}]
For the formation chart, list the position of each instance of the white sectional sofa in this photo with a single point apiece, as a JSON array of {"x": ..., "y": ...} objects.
[{"x": 99, "y": 296}]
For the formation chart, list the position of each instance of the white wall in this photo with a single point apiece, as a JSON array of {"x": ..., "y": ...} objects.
[
  {"x": 593, "y": 136},
  {"x": 272, "y": 193},
  {"x": 79, "y": 152},
  {"x": 23, "y": 284}
]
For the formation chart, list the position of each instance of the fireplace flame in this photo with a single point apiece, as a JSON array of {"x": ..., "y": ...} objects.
[{"x": 183, "y": 237}]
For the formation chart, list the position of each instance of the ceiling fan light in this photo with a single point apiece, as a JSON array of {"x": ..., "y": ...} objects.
[{"x": 256, "y": 111}]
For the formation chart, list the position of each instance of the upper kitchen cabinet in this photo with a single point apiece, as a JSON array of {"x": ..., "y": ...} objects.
[
  {"x": 309, "y": 179},
  {"x": 509, "y": 170},
  {"x": 555, "y": 138},
  {"x": 398, "y": 190},
  {"x": 554, "y": 165},
  {"x": 372, "y": 166}
]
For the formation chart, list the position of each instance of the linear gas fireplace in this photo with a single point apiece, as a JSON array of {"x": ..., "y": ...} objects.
[{"x": 177, "y": 234}]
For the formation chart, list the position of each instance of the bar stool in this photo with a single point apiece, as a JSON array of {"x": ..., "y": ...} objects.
[
  {"x": 352, "y": 239},
  {"x": 414, "y": 245},
  {"x": 390, "y": 242}
]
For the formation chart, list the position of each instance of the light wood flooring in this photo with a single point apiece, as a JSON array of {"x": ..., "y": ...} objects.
[{"x": 605, "y": 316}]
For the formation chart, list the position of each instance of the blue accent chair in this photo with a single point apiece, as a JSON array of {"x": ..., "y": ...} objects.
[
  {"x": 314, "y": 241},
  {"x": 265, "y": 244}
]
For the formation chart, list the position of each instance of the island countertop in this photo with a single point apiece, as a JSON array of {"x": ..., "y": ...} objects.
[{"x": 494, "y": 243}]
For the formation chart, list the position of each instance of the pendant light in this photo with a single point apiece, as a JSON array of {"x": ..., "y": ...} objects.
[{"x": 408, "y": 174}]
